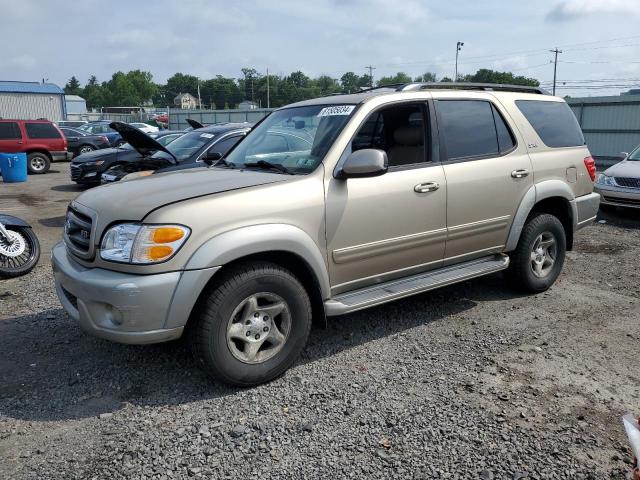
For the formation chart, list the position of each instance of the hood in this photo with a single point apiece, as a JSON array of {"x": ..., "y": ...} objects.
[
  {"x": 626, "y": 168},
  {"x": 134, "y": 199},
  {"x": 194, "y": 123},
  {"x": 139, "y": 140},
  {"x": 104, "y": 154}
]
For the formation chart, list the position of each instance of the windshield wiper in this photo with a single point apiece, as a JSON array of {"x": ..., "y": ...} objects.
[{"x": 265, "y": 165}]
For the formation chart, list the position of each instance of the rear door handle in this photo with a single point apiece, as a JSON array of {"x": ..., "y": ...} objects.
[
  {"x": 426, "y": 187},
  {"x": 520, "y": 173}
]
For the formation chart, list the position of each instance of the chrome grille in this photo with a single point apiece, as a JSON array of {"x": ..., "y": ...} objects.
[
  {"x": 77, "y": 231},
  {"x": 628, "y": 182}
]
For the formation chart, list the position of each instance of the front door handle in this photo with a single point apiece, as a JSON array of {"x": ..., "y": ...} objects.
[
  {"x": 520, "y": 173},
  {"x": 426, "y": 187}
]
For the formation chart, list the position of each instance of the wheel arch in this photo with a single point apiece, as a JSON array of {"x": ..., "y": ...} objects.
[
  {"x": 39, "y": 150},
  {"x": 554, "y": 197}
]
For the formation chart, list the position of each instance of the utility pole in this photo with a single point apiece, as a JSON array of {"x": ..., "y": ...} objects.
[
  {"x": 555, "y": 67},
  {"x": 199, "y": 99},
  {"x": 371, "y": 68},
  {"x": 459, "y": 46},
  {"x": 268, "y": 105}
]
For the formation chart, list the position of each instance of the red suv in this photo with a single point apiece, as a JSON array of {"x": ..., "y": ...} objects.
[{"x": 41, "y": 140}]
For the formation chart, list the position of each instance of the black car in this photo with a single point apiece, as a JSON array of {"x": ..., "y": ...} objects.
[
  {"x": 87, "y": 168},
  {"x": 193, "y": 149},
  {"x": 79, "y": 142}
]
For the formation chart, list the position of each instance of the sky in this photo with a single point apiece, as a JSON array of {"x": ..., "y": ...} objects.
[{"x": 55, "y": 39}]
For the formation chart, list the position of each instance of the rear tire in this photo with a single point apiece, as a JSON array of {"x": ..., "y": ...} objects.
[
  {"x": 252, "y": 324},
  {"x": 537, "y": 261},
  {"x": 38, "y": 163},
  {"x": 85, "y": 149}
]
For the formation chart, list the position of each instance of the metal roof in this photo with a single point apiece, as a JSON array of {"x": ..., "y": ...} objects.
[
  {"x": 74, "y": 98},
  {"x": 30, "y": 87}
]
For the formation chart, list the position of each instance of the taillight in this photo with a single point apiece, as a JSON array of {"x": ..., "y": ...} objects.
[
  {"x": 590, "y": 163},
  {"x": 103, "y": 139}
]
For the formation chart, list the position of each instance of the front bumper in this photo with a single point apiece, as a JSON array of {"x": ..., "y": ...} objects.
[
  {"x": 619, "y": 196},
  {"x": 85, "y": 174},
  {"x": 61, "y": 156},
  {"x": 123, "y": 307}
]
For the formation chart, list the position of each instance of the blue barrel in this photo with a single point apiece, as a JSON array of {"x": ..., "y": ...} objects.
[{"x": 13, "y": 167}]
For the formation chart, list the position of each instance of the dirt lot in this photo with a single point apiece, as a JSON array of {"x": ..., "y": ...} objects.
[{"x": 471, "y": 381}]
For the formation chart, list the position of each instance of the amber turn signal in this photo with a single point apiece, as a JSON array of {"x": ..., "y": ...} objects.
[{"x": 166, "y": 235}]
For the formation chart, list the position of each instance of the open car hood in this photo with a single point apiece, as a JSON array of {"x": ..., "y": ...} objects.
[
  {"x": 142, "y": 142},
  {"x": 194, "y": 123}
]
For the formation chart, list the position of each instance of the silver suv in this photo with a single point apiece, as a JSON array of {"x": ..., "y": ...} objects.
[{"x": 329, "y": 206}]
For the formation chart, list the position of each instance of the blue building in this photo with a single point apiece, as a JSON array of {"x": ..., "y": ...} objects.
[{"x": 32, "y": 100}]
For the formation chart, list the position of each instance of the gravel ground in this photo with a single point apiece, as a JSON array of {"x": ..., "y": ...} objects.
[{"x": 470, "y": 381}]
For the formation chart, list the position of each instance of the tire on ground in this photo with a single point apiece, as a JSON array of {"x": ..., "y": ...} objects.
[
  {"x": 208, "y": 332},
  {"x": 521, "y": 271},
  {"x": 38, "y": 162}
]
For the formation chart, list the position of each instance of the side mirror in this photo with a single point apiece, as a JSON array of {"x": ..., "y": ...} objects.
[
  {"x": 368, "y": 162},
  {"x": 623, "y": 155},
  {"x": 211, "y": 157}
]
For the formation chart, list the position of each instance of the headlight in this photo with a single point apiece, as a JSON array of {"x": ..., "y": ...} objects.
[
  {"x": 133, "y": 243},
  {"x": 606, "y": 180},
  {"x": 96, "y": 163}
]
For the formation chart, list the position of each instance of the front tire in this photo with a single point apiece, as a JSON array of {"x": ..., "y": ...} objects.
[
  {"x": 252, "y": 325},
  {"x": 537, "y": 261},
  {"x": 19, "y": 255},
  {"x": 38, "y": 162}
]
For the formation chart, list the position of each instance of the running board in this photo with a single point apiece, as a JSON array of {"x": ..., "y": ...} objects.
[{"x": 386, "y": 292}]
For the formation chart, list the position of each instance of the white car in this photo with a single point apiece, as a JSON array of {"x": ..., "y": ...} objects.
[{"x": 145, "y": 127}]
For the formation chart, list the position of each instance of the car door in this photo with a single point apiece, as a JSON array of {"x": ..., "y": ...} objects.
[
  {"x": 392, "y": 225},
  {"x": 73, "y": 138},
  {"x": 487, "y": 170},
  {"x": 10, "y": 137}
]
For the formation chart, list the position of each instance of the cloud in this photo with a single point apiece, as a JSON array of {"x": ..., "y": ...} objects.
[{"x": 573, "y": 9}]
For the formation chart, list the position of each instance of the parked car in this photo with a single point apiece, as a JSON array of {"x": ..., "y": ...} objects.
[
  {"x": 619, "y": 185},
  {"x": 192, "y": 150},
  {"x": 79, "y": 142},
  {"x": 161, "y": 117},
  {"x": 456, "y": 182},
  {"x": 144, "y": 127},
  {"x": 41, "y": 140},
  {"x": 101, "y": 127},
  {"x": 87, "y": 169},
  {"x": 71, "y": 123}
]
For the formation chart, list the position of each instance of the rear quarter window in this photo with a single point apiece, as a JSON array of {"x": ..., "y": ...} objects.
[
  {"x": 554, "y": 122},
  {"x": 9, "y": 131},
  {"x": 41, "y": 130}
]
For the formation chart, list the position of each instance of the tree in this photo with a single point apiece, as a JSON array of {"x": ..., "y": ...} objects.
[
  {"x": 248, "y": 83},
  {"x": 485, "y": 75},
  {"x": 426, "y": 77},
  {"x": 446, "y": 79},
  {"x": 399, "y": 77},
  {"x": 94, "y": 93},
  {"x": 352, "y": 83},
  {"x": 73, "y": 87},
  {"x": 181, "y": 83}
]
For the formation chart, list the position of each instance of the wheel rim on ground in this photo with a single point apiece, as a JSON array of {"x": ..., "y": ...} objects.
[
  {"x": 258, "y": 328},
  {"x": 16, "y": 251},
  {"x": 544, "y": 254},
  {"x": 38, "y": 163}
]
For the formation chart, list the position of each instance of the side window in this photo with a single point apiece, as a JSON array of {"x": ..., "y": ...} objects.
[
  {"x": 399, "y": 130},
  {"x": 505, "y": 137},
  {"x": 41, "y": 130},
  {"x": 224, "y": 145},
  {"x": 468, "y": 128},
  {"x": 554, "y": 122},
  {"x": 9, "y": 131}
]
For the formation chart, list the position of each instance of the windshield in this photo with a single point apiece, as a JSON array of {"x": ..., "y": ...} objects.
[
  {"x": 296, "y": 138},
  {"x": 635, "y": 155},
  {"x": 187, "y": 145}
]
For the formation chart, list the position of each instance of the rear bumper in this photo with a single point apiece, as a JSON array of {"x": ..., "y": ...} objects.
[
  {"x": 586, "y": 209},
  {"x": 61, "y": 156},
  {"x": 619, "y": 196}
]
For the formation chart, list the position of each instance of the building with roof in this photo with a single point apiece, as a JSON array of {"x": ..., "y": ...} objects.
[
  {"x": 248, "y": 105},
  {"x": 75, "y": 104},
  {"x": 32, "y": 100},
  {"x": 185, "y": 101}
]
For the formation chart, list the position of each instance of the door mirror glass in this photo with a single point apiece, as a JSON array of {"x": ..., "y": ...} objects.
[
  {"x": 211, "y": 157},
  {"x": 369, "y": 162}
]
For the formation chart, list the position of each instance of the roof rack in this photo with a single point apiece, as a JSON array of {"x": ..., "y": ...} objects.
[{"x": 471, "y": 86}]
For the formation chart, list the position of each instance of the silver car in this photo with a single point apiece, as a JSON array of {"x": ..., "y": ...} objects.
[{"x": 619, "y": 185}]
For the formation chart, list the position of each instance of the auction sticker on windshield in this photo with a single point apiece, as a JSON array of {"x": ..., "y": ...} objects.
[
  {"x": 207, "y": 135},
  {"x": 336, "y": 110}
]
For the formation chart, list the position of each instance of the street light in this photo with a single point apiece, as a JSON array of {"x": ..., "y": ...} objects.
[{"x": 458, "y": 48}]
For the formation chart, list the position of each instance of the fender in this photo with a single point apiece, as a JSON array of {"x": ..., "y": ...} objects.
[
  {"x": 536, "y": 193},
  {"x": 11, "y": 221},
  {"x": 244, "y": 241}
]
